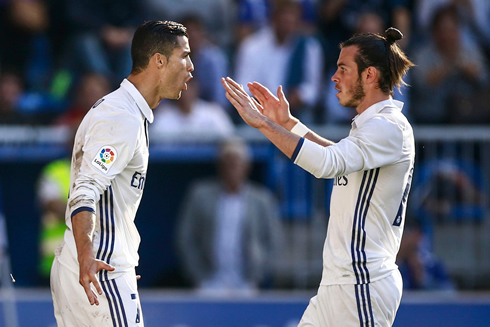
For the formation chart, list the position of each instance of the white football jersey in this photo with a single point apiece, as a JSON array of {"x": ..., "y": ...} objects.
[
  {"x": 108, "y": 174},
  {"x": 372, "y": 171}
]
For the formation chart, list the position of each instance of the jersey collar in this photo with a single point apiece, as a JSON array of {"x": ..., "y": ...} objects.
[
  {"x": 138, "y": 98},
  {"x": 375, "y": 109}
]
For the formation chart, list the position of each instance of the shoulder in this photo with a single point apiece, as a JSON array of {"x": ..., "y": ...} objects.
[
  {"x": 385, "y": 124},
  {"x": 114, "y": 116}
]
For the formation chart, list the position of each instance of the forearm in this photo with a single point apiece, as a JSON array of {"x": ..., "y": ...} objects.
[
  {"x": 83, "y": 229},
  {"x": 283, "y": 139}
]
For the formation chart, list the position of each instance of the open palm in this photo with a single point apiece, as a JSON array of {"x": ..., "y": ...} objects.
[{"x": 276, "y": 108}]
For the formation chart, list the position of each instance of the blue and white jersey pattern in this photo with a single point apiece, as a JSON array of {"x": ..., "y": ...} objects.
[
  {"x": 372, "y": 170},
  {"x": 109, "y": 166}
]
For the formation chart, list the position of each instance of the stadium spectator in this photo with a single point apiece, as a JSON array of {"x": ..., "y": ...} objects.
[
  {"x": 228, "y": 229},
  {"x": 91, "y": 88},
  {"x": 101, "y": 39},
  {"x": 283, "y": 55},
  {"x": 449, "y": 72},
  {"x": 11, "y": 90},
  {"x": 420, "y": 268},
  {"x": 26, "y": 46},
  {"x": 217, "y": 15},
  {"x": 52, "y": 192},
  {"x": 474, "y": 16},
  {"x": 338, "y": 20},
  {"x": 190, "y": 118},
  {"x": 450, "y": 191},
  {"x": 255, "y": 14},
  {"x": 209, "y": 60}
]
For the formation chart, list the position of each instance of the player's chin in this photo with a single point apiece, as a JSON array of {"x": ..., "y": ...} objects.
[{"x": 177, "y": 95}]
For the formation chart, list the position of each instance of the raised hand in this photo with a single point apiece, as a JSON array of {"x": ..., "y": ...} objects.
[
  {"x": 276, "y": 108},
  {"x": 249, "y": 110}
]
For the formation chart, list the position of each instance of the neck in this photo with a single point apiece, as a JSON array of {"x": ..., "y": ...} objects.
[
  {"x": 147, "y": 88},
  {"x": 371, "y": 99}
]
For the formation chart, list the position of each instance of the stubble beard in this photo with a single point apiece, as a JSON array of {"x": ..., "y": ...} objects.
[{"x": 357, "y": 95}]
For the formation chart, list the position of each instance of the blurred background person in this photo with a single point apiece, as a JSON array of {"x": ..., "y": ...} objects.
[
  {"x": 451, "y": 191},
  {"x": 282, "y": 54},
  {"x": 101, "y": 34},
  {"x": 474, "y": 17},
  {"x": 229, "y": 230},
  {"x": 91, "y": 87},
  {"x": 52, "y": 192},
  {"x": 11, "y": 91},
  {"x": 420, "y": 268},
  {"x": 191, "y": 118},
  {"x": 450, "y": 71},
  {"x": 26, "y": 35},
  {"x": 255, "y": 14},
  {"x": 217, "y": 16},
  {"x": 210, "y": 61},
  {"x": 339, "y": 19},
  {"x": 26, "y": 45}
]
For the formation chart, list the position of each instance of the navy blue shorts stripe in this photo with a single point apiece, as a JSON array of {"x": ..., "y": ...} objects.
[
  {"x": 102, "y": 283},
  {"x": 364, "y": 305},
  {"x": 114, "y": 301},
  {"x": 370, "y": 306},
  {"x": 358, "y": 300},
  {"x": 121, "y": 304}
]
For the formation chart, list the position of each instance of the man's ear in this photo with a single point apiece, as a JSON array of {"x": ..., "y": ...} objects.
[
  {"x": 159, "y": 60},
  {"x": 371, "y": 75}
]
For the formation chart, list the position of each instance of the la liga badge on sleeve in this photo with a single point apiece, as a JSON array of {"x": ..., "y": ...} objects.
[{"x": 105, "y": 158}]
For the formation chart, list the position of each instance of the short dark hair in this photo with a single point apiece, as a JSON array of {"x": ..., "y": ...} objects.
[
  {"x": 154, "y": 37},
  {"x": 384, "y": 54}
]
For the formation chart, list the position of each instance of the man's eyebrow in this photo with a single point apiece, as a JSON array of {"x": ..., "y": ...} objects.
[{"x": 341, "y": 64}]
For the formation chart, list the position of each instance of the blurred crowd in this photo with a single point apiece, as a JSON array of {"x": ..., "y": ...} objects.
[{"x": 59, "y": 57}]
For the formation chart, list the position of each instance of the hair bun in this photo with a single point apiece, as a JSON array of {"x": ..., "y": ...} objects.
[{"x": 392, "y": 35}]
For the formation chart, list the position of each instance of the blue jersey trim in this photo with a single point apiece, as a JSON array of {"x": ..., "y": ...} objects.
[
  {"x": 298, "y": 147},
  {"x": 82, "y": 209}
]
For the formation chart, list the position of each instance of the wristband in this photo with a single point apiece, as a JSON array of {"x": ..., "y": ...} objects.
[{"x": 300, "y": 129}]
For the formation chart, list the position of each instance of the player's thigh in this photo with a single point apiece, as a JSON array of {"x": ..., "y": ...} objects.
[
  {"x": 334, "y": 305},
  {"x": 373, "y": 304},
  {"x": 119, "y": 304},
  {"x": 386, "y": 296},
  {"x": 309, "y": 318},
  {"x": 71, "y": 305}
]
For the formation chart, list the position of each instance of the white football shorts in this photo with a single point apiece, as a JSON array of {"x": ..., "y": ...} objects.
[
  {"x": 119, "y": 305},
  {"x": 373, "y": 304}
]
